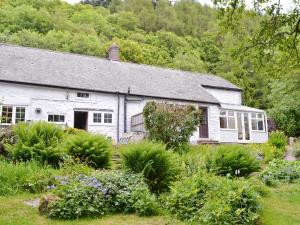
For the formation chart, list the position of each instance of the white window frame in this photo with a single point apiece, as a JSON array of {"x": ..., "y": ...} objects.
[
  {"x": 102, "y": 118},
  {"x": 83, "y": 98},
  {"x": 107, "y": 113},
  {"x": 257, "y": 119},
  {"x": 14, "y": 111},
  {"x": 226, "y": 116},
  {"x": 56, "y": 114}
]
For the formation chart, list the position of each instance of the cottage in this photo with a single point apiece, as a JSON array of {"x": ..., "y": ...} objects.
[{"x": 107, "y": 96}]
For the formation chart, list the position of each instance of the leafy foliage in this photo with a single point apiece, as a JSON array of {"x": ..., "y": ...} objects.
[
  {"x": 208, "y": 199},
  {"x": 170, "y": 124},
  {"x": 278, "y": 139},
  {"x": 108, "y": 192},
  {"x": 158, "y": 166},
  {"x": 267, "y": 151},
  {"x": 94, "y": 150},
  {"x": 234, "y": 160},
  {"x": 39, "y": 141},
  {"x": 281, "y": 171}
]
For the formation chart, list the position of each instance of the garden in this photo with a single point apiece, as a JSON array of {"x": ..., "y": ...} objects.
[{"x": 54, "y": 175}]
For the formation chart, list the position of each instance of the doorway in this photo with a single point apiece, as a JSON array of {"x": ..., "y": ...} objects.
[
  {"x": 80, "y": 120},
  {"x": 243, "y": 126},
  {"x": 203, "y": 127}
]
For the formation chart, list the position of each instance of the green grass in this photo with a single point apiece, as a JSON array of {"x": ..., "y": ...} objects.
[
  {"x": 13, "y": 211},
  {"x": 282, "y": 206}
]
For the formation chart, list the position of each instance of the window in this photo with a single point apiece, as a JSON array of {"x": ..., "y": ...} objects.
[
  {"x": 20, "y": 114},
  {"x": 7, "y": 113},
  {"x": 56, "y": 118},
  {"x": 97, "y": 117},
  {"x": 227, "y": 119},
  {"x": 257, "y": 121},
  {"x": 107, "y": 118},
  {"x": 83, "y": 95}
]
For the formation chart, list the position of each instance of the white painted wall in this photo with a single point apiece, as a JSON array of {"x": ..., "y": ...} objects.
[{"x": 226, "y": 96}]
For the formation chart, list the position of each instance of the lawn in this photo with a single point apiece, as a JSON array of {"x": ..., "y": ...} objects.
[
  {"x": 282, "y": 206},
  {"x": 13, "y": 211}
]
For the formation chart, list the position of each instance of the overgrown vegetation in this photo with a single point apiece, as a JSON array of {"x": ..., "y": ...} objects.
[
  {"x": 234, "y": 160},
  {"x": 38, "y": 141},
  {"x": 208, "y": 199},
  {"x": 278, "y": 139},
  {"x": 171, "y": 124},
  {"x": 158, "y": 166},
  {"x": 94, "y": 150}
]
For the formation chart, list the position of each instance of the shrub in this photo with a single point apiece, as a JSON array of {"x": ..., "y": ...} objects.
[
  {"x": 278, "y": 139},
  {"x": 281, "y": 171},
  {"x": 107, "y": 192},
  {"x": 212, "y": 200},
  {"x": 158, "y": 166},
  {"x": 296, "y": 150},
  {"x": 94, "y": 150},
  {"x": 170, "y": 124},
  {"x": 24, "y": 177},
  {"x": 6, "y": 137},
  {"x": 39, "y": 141},
  {"x": 235, "y": 160},
  {"x": 266, "y": 152}
]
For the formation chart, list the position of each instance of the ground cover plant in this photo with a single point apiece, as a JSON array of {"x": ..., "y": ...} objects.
[
  {"x": 159, "y": 166},
  {"x": 38, "y": 141},
  {"x": 234, "y": 160},
  {"x": 94, "y": 150},
  {"x": 281, "y": 171},
  {"x": 208, "y": 199},
  {"x": 104, "y": 193}
]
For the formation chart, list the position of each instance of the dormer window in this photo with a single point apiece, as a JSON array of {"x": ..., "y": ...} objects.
[{"x": 83, "y": 95}]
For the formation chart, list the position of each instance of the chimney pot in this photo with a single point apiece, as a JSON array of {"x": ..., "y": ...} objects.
[{"x": 113, "y": 52}]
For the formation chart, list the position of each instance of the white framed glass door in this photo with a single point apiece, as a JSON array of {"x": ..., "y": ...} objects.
[{"x": 243, "y": 126}]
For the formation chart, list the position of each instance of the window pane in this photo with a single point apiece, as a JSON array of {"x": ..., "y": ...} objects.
[
  {"x": 107, "y": 118},
  {"x": 6, "y": 116},
  {"x": 254, "y": 124},
  {"x": 223, "y": 123},
  {"x": 231, "y": 123},
  {"x": 223, "y": 113},
  {"x": 259, "y": 115},
  {"x": 97, "y": 117},
  {"x": 20, "y": 114},
  {"x": 260, "y": 125},
  {"x": 83, "y": 95},
  {"x": 56, "y": 118},
  {"x": 230, "y": 113},
  {"x": 253, "y": 115}
]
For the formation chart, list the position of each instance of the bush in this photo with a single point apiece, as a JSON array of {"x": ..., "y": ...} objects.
[
  {"x": 6, "y": 137},
  {"x": 208, "y": 199},
  {"x": 24, "y": 177},
  {"x": 94, "y": 150},
  {"x": 296, "y": 150},
  {"x": 105, "y": 193},
  {"x": 235, "y": 160},
  {"x": 39, "y": 141},
  {"x": 281, "y": 171},
  {"x": 158, "y": 166},
  {"x": 266, "y": 152},
  {"x": 278, "y": 139},
  {"x": 171, "y": 124}
]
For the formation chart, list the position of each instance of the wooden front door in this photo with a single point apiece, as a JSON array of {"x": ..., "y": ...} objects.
[{"x": 203, "y": 128}]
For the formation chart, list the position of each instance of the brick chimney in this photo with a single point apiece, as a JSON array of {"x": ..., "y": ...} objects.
[{"x": 113, "y": 52}]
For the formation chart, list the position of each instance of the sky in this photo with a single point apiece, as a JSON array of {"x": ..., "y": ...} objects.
[{"x": 285, "y": 3}]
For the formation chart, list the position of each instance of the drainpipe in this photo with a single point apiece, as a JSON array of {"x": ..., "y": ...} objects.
[
  {"x": 118, "y": 119},
  {"x": 125, "y": 110}
]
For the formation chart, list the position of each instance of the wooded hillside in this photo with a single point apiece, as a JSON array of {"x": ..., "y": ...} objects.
[{"x": 186, "y": 36}]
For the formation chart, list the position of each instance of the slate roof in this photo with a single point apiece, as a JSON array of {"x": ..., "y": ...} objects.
[{"x": 58, "y": 69}]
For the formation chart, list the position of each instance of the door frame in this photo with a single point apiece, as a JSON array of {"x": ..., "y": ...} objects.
[
  {"x": 87, "y": 118},
  {"x": 243, "y": 126},
  {"x": 205, "y": 108}
]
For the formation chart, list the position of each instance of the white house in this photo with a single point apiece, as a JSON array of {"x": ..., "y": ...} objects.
[{"x": 107, "y": 96}]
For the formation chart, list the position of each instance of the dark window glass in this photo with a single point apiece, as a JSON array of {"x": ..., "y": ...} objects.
[
  {"x": 223, "y": 122},
  {"x": 83, "y": 95},
  {"x": 6, "y": 116},
  {"x": 107, "y": 118},
  {"x": 260, "y": 125},
  {"x": 97, "y": 118},
  {"x": 20, "y": 114},
  {"x": 56, "y": 118},
  {"x": 254, "y": 124}
]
